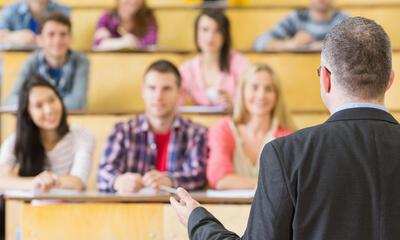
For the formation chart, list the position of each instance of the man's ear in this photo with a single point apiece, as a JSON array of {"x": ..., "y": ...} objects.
[
  {"x": 391, "y": 79},
  {"x": 326, "y": 79}
]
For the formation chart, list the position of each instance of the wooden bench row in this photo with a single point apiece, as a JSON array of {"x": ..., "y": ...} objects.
[
  {"x": 115, "y": 78},
  {"x": 260, "y": 20},
  {"x": 102, "y": 125}
]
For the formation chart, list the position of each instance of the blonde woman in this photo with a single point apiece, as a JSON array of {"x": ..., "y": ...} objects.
[{"x": 235, "y": 143}]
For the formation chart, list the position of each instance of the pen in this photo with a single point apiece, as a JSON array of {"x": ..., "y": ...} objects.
[{"x": 168, "y": 189}]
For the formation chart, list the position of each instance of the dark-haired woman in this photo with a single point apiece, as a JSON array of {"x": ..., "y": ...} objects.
[
  {"x": 211, "y": 77},
  {"x": 45, "y": 153},
  {"x": 131, "y": 25}
]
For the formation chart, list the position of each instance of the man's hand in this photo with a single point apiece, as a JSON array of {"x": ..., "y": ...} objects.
[
  {"x": 185, "y": 206},
  {"x": 128, "y": 183},
  {"x": 155, "y": 178},
  {"x": 46, "y": 181}
]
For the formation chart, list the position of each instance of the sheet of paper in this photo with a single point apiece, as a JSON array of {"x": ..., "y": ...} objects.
[{"x": 242, "y": 193}]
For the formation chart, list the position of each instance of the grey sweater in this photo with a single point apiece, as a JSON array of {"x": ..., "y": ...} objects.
[{"x": 72, "y": 85}]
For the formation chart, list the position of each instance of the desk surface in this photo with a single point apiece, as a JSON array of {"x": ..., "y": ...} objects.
[{"x": 146, "y": 196}]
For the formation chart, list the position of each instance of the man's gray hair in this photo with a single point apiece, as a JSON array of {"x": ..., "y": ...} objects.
[{"x": 358, "y": 52}]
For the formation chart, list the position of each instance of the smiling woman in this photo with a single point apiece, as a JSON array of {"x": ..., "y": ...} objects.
[
  {"x": 259, "y": 116},
  {"x": 45, "y": 153}
]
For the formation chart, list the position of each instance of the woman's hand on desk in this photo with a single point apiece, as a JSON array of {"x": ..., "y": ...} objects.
[
  {"x": 46, "y": 181},
  {"x": 225, "y": 100},
  {"x": 155, "y": 178},
  {"x": 128, "y": 183},
  {"x": 184, "y": 206}
]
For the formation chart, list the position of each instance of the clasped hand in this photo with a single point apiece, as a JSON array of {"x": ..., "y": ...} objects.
[{"x": 133, "y": 182}]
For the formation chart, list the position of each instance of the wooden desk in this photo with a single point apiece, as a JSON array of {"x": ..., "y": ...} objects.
[{"x": 92, "y": 215}]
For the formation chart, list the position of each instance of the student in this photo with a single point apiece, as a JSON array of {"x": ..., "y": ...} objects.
[
  {"x": 303, "y": 29},
  {"x": 259, "y": 116},
  {"x": 20, "y": 21},
  {"x": 44, "y": 153},
  {"x": 159, "y": 147},
  {"x": 211, "y": 77},
  {"x": 131, "y": 25},
  {"x": 64, "y": 68}
]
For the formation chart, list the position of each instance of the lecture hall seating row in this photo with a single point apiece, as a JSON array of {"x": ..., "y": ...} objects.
[
  {"x": 259, "y": 18},
  {"x": 117, "y": 77},
  {"x": 115, "y": 82}
]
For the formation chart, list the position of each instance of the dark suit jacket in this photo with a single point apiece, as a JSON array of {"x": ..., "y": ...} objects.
[{"x": 339, "y": 180}]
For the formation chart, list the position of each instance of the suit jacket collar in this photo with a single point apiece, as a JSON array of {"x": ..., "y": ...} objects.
[{"x": 362, "y": 114}]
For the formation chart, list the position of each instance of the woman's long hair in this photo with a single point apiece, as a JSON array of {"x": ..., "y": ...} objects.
[
  {"x": 142, "y": 19},
  {"x": 224, "y": 27},
  {"x": 29, "y": 150},
  {"x": 279, "y": 112}
]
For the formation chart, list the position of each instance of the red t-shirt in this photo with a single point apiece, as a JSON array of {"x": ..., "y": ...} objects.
[{"x": 162, "y": 141}]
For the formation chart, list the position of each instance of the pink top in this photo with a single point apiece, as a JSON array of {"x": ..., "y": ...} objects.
[
  {"x": 222, "y": 147},
  {"x": 194, "y": 85}
]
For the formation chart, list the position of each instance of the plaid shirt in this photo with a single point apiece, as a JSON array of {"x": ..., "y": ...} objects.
[{"x": 132, "y": 148}]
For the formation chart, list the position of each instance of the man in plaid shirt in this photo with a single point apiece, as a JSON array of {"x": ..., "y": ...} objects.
[{"x": 159, "y": 147}]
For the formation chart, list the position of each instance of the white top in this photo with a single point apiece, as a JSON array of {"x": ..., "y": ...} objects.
[
  {"x": 72, "y": 155},
  {"x": 242, "y": 163}
]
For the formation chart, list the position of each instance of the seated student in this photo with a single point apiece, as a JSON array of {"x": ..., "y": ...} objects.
[
  {"x": 20, "y": 21},
  {"x": 131, "y": 25},
  {"x": 303, "y": 29},
  {"x": 235, "y": 143},
  {"x": 211, "y": 77},
  {"x": 64, "y": 68},
  {"x": 45, "y": 153},
  {"x": 159, "y": 147}
]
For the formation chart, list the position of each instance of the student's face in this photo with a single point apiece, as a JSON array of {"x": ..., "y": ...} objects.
[
  {"x": 44, "y": 108},
  {"x": 259, "y": 94},
  {"x": 55, "y": 39},
  {"x": 160, "y": 93},
  {"x": 127, "y": 8},
  {"x": 321, "y": 5},
  {"x": 209, "y": 37},
  {"x": 38, "y": 4}
]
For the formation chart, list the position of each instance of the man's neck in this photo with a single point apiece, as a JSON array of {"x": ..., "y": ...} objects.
[
  {"x": 321, "y": 15},
  {"x": 340, "y": 103},
  {"x": 160, "y": 124},
  {"x": 38, "y": 13},
  {"x": 56, "y": 62}
]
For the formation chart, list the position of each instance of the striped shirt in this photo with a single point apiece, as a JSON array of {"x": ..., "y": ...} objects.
[
  {"x": 299, "y": 20},
  {"x": 132, "y": 148},
  {"x": 72, "y": 155}
]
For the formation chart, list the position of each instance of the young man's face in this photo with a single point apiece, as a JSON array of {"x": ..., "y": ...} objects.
[
  {"x": 161, "y": 94},
  {"x": 55, "y": 39},
  {"x": 321, "y": 5},
  {"x": 38, "y": 4}
]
